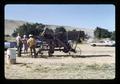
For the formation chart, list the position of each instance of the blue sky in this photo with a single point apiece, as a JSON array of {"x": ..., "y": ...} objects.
[{"x": 76, "y": 15}]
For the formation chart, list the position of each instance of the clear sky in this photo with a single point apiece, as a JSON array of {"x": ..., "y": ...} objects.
[{"x": 75, "y": 15}]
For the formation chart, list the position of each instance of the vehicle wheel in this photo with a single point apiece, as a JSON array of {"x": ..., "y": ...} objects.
[
  {"x": 106, "y": 45},
  {"x": 49, "y": 54},
  {"x": 93, "y": 45},
  {"x": 42, "y": 52},
  {"x": 78, "y": 52}
]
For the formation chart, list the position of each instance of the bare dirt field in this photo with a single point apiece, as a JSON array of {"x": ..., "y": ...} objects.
[{"x": 93, "y": 63}]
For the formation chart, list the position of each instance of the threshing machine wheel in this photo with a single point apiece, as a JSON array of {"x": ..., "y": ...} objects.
[{"x": 77, "y": 53}]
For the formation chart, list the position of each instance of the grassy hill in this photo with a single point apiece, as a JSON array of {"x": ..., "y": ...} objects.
[{"x": 11, "y": 25}]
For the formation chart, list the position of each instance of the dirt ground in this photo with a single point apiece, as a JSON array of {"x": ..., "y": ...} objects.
[{"x": 92, "y": 63}]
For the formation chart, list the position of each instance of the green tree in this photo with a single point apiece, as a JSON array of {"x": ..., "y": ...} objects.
[
  {"x": 61, "y": 33},
  {"x": 113, "y": 35},
  {"x": 102, "y": 33},
  {"x": 28, "y": 28},
  {"x": 60, "y": 29},
  {"x": 14, "y": 34}
]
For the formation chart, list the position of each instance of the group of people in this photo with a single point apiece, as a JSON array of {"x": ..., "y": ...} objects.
[{"x": 25, "y": 43}]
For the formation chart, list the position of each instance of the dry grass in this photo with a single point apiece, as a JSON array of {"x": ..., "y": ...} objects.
[
  {"x": 10, "y": 39},
  {"x": 98, "y": 66}
]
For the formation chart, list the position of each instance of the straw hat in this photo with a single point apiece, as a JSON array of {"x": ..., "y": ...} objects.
[
  {"x": 24, "y": 36},
  {"x": 30, "y": 35}
]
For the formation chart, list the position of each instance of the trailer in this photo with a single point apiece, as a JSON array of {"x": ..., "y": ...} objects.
[{"x": 52, "y": 42}]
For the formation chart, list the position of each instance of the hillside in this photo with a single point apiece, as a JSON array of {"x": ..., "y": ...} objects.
[{"x": 11, "y": 25}]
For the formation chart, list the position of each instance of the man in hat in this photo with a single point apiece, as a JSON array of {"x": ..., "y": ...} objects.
[{"x": 32, "y": 44}]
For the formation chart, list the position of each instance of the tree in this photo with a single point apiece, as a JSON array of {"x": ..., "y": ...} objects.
[
  {"x": 76, "y": 35},
  {"x": 102, "y": 33},
  {"x": 28, "y": 28},
  {"x": 7, "y": 35},
  {"x": 61, "y": 33},
  {"x": 60, "y": 29},
  {"x": 113, "y": 35},
  {"x": 14, "y": 34}
]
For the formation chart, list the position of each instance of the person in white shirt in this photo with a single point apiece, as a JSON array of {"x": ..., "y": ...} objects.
[
  {"x": 25, "y": 45},
  {"x": 19, "y": 45}
]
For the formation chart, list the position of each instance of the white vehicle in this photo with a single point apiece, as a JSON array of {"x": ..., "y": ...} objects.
[
  {"x": 10, "y": 45},
  {"x": 103, "y": 43}
]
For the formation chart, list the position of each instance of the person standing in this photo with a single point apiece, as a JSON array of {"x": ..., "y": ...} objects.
[
  {"x": 25, "y": 45},
  {"x": 19, "y": 45},
  {"x": 32, "y": 45}
]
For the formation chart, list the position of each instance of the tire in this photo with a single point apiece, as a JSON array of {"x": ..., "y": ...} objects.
[
  {"x": 78, "y": 52},
  {"x": 106, "y": 45},
  {"x": 94, "y": 45}
]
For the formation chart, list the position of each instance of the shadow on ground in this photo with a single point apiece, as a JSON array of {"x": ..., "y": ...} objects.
[
  {"x": 74, "y": 56},
  {"x": 87, "y": 56},
  {"x": 18, "y": 63}
]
